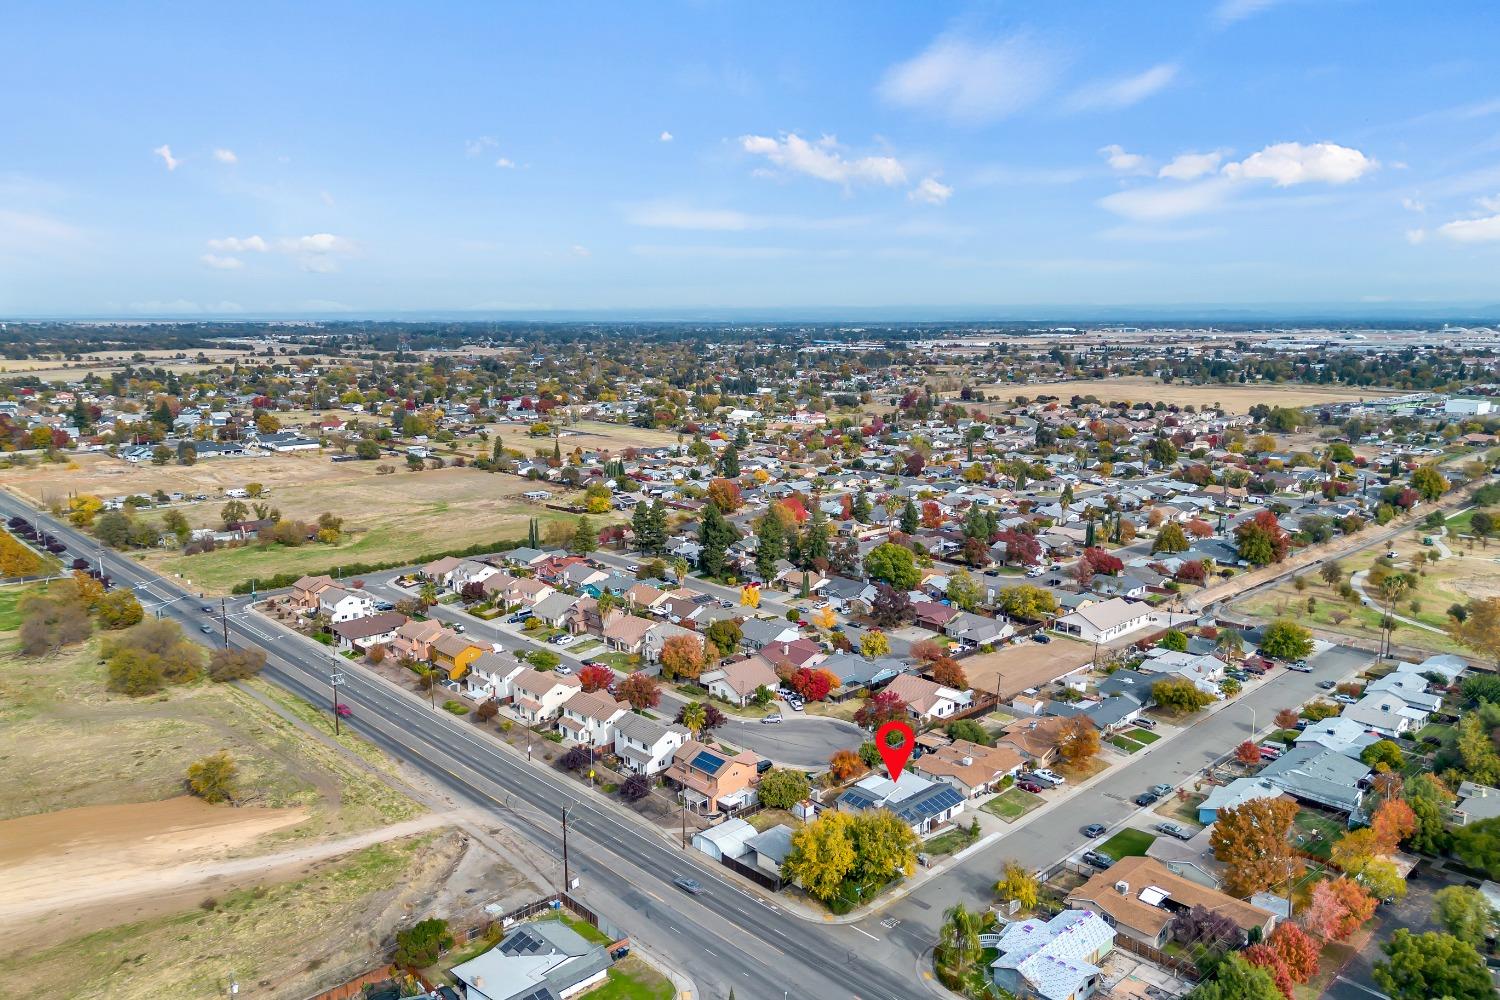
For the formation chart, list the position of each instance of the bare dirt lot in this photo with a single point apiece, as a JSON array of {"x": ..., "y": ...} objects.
[{"x": 1234, "y": 398}]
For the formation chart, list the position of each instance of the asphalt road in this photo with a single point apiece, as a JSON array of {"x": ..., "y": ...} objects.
[{"x": 723, "y": 938}]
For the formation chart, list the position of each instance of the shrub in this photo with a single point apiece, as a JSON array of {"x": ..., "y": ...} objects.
[
  {"x": 212, "y": 778},
  {"x": 423, "y": 943},
  {"x": 455, "y": 707},
  {"x": 235, "y": 664}
]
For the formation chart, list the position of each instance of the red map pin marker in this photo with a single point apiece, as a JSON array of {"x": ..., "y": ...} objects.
[{"x": 896, "y": 756}]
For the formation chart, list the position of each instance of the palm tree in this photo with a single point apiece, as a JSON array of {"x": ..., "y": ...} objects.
[
  {"x": 960, "y": 936},
  {"x": 694, "y": 717},
  {"x": 1231, "y": 643}
]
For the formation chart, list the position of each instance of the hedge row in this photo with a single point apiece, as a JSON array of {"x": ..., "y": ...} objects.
[{"x": 360, "y": 569}]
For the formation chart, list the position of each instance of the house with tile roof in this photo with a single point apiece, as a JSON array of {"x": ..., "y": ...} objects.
[
  {"x": 371, "y": 630},
  {"x": 453, "y": 653},
  {"x": 1057, "y": 959},
  {"x": 414, "y": 639},
  {"x": 737, "y": 682},
  {"x": 927, "y": 700},
  {"x": 588, "y": 718},
  {"x": 490, "y": 676},
  {"x": 306, "y": 590},
  {"x": 972, "y": 768}
]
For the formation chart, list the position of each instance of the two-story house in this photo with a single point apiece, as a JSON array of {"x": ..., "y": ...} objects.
[
  {"x": 342, "y": 605},
  {"x": 413, "y": 641},
  {"x": 538, "y": 697},
  {"x": 644, "y": 745},
  {"x": 712, "y": 781},
  {"x": 588, "y": 718}
]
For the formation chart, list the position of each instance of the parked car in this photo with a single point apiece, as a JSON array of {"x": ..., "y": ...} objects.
[
  {"x": 1029, "y": 786},
  {"x": 689, "y": 885},
  {"x": 1301, "y": 666},
  {"x": 1173, "y": 830},
  {"x": 563, "y": 669},
  {"x": 1145, "y": 723},
  {"x": 1093, "y": 830},
  {"x": 1161, "y": 790},
  {"x": 1328, "y": 685},
  {"x": 771, "y": 719},
  {"x": 796, "y": 705},
  {"x": 1050, "y": 777},
  {"x": 561, "y": 640},
  {"x": 459, "y": 628},
  {"x": 1098, "y": 859},
  {"x": 517, "y": 619},
  {"x": 1271, "y": 750},
  {"x": 1041, "y": 637},
  {"x": 1345, "y": 699},
  {"x": 1147, "y": 798}
]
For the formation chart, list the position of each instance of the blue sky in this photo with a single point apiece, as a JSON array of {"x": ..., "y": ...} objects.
[{"x": 372, "y": 159}]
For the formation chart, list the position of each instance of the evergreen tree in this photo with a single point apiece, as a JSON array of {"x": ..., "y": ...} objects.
[
  {"x": 715, "y": 535},
  {"x": 1067, "y": 495},
  {"x": 729, "y": 463},
  {"x": 741, "y": 438},
  {"x": 861, "y": 507},
  {"x": 815, "y": 545},
  {"x": 770, "y": 546},
  {"x": 584, "y": 538},
  {"x": 909, "y": 518}
]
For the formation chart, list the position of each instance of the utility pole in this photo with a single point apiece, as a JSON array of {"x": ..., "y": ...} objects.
[
  {"x": 335, "y": 680},
  {"x": 224, "y": 619},
  {"x": 567, "y": 881}
]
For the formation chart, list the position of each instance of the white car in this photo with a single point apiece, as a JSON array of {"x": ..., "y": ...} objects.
[
  {"x": 563, "y": 640},
  {"x": 1050, "y": 777}
]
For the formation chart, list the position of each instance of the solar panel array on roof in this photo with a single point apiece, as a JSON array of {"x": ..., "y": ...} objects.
[
  {"x": 542, "y": 994},
  {"x": 708, "y": 762},
  {"x": 521, "y": 943},
  {"x": 929, "y": 802}
]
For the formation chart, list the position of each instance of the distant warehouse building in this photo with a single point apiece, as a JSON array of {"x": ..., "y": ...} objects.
[{"x": 1468, "y": 406}]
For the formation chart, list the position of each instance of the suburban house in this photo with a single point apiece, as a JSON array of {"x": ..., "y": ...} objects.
[
  {"x": 737, "y": 682},
  {"x": 306, "y": 590},
  {"x": 508, "y": 590},
  {"x": 972, "y": 768},
  {"x": 921, "y": 804},
  {"x": 588, "y": 718},
  {"x": 977, "y": 630},
  {"x": 414, "y": 639},
  {"x": 1106, "y": 621},
  {"x": 800, "y": 653},
  {"x": 453, "y": 653},
  {"x": 1036, "y": 739},
  {"x": 627, "y": 634},
  {"x": 1204, "y": 671},
  {"x": 1324, "y": 777},
  {"x": 1475, "y": 802},
  {"x": 1139, "y": 896},
  {"x": 554, "y": 609},
  {"x": 644, "y": 745},
  {"x": 926, "y": 700},
  {"x": 933, "y": 616},
  {"x": 587, "y": 616},
  {"x": 440, "y": 571},
  {"x": 491, "y": 674},
  {"x": 372, "y": 630},
  {"x": 1393, "y": 711},
  {"x": 342, "y": 605},
  {"x": 539, "y": 697},
  {"x": 711, "y": 780},
  {"x": 1233, "y": 795},
  {"x": 535, "y": 961},
  {"x": 1055, "y": 959},
  {"x": 758, "y": 632},
  {"x": 1337, "y": 733}
]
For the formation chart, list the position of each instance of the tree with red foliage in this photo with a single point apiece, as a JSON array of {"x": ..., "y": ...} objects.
[
  {"x": 949, "y": 673},
  {"x": 846, "y": 508},
  {"x": 1247, "y": 753},
  {"x": 813, "y": 685},
  {"x": 1199, "y": 528},
  {"x": 932, "y": 515},
  {"x": 1021, "y": 549},
  {"x": 1265, "y": 957},
  {"x": 1287, "y": 718},
  {"x": 1101, "y": 562},
  {"x": 1297, "y": 951},
  {"x": 890, "y": 606},
  {"x": 1262, "y": 540},
  {"x": 1083, "y": 573},
  {"x": 1407, "y": 498},
  {"x": 596, "y": 677},
  {"x": 880, "y": 708},
  {"x": 1338, "y": 908},
  {"x": 914, "y": 463},
  {"x": 1192, "y": 571},
  {"x": 640, "y": 690},
  {"x": 795, "y": 507},
  {"x": 927, "y": 651}
]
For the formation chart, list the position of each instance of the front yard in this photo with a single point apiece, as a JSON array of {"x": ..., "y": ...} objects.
[
  {"x": 1127, "y": 844},
  {"x": 1011, "y": 804}
]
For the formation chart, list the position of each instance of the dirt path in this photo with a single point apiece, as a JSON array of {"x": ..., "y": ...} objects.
[{"x": 100, "y": 855}]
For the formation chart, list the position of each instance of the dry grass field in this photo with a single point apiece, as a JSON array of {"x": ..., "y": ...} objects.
[
  {"x": 1234, "y": 398},
  {"x": 586, "y": 434},
  {"x": 386, "y": 518}
]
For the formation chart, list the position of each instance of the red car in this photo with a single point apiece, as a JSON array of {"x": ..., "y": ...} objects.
[
  {"x": 344, "y": 711},
  {"x": 1029, "y": 786}
]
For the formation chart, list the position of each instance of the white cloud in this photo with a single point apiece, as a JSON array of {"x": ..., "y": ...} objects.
[
  {"x": 667, "y": 136},
  {"x": 1122, "y": 93},
  {"x": 506, "y": 163},
  {"x": 1413, "y": 205},
  {"x": 1482, "y": 230},
  {"x": 931, "y": 192},
  {"x": 1159, "y": 203},
  {"x": 823, "y": 160},
  {"x": 1191, "y": 166},
  {"x": 226, "y": 156},
  {"x": 239, "y": 244},
  {"x": 578, "y": 250},
  {"x": 1230, "y": 11},
  {"x": 1490, "y": 204},
  {"x": 972, "y": 82},
  {"x": 318, "y": 252},
  {"x": 219, "y": 263},
  {"x": 1416, "y": 236},
  {"x": 475, "y": 147},
  {"x": 165, "y": 152},
  {"x": 1118, "y": 159},
  {"x": 1287, "y": 163},
  {"x": 662, "y": 216}
]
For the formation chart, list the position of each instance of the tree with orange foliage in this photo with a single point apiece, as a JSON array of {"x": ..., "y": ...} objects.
[
  {"x": 1254, "y": 842},
  {"x": 1297, "y": 951},
  {"x": 1338, "y": 908},
  {"x": 1288, "y": 718},
  {"x": 682, "y": 657},
  {"x": 928, "y": 651},
  {"x": 640, "y": 690},
  {"x": 725, "y": 493},
  {"x": 1264, "y": 956},
  {"x": 1393, "y": 822},
  {"x": 1247, "y": 753},
  {"x": 845, "y": 764},
  {"x": 932, "y": 516},
  {"x": 1078, "y": 741},
  {"x": 949, "y": 673},
  {"x": 825, "y": 618}
]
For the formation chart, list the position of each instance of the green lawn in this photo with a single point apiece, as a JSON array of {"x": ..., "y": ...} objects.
[
  {"x": 955, "y": 839},
  {"x": 633, "y": 979},
  {"x": 1011, "y": 804},
  {"x": 585, "y": 930},
  {"x": 1143, "y": 736},
  {"x": 1129, "y": 746},
  {"x": 1128, "y": 844},
  {"x": 1317, "y": 832},
  {"x": 1442, "y": 734},
  {"x": 10, "y": 618}
]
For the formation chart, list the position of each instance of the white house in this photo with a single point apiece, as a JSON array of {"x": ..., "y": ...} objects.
[
  {"x": 927, "y": 699},
  {"x": 539, "y": 697},
  {"x": 1057, "y": 959},
  {"x": 1105, "y": 621},
  {"x": 342, "y": 605},
  {"x": 491, "y": 674},
  {"x": 588, "y": 718},
  {"x": 645, "y": 746}
]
